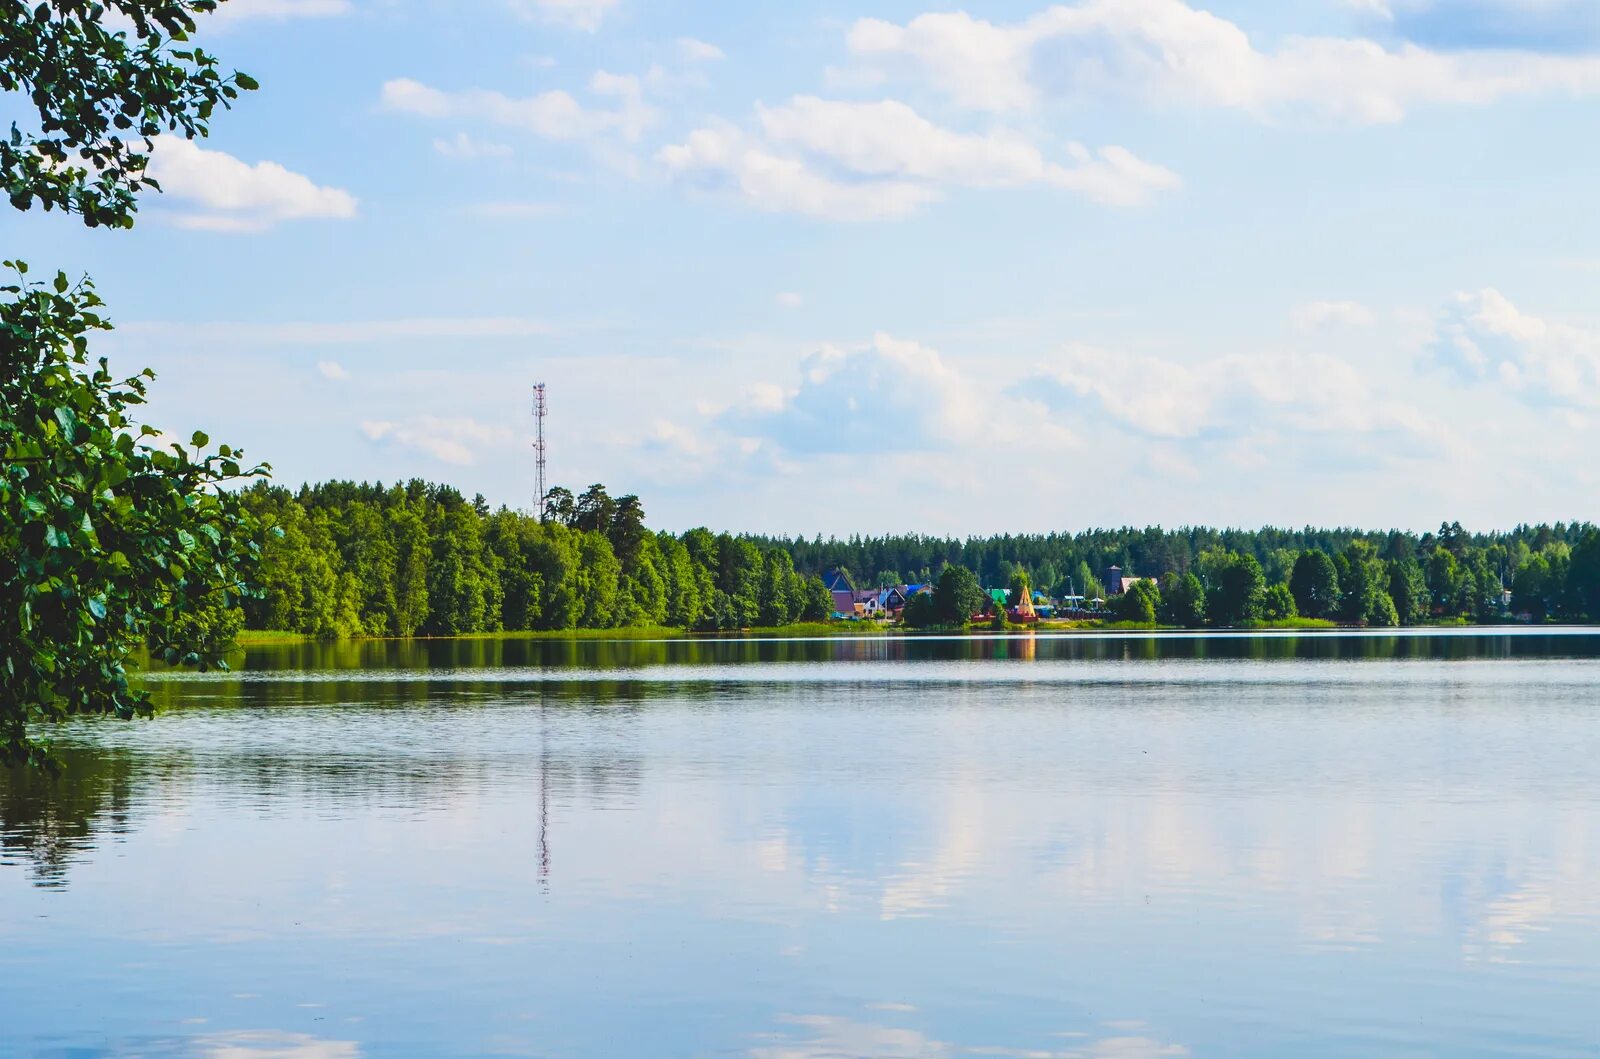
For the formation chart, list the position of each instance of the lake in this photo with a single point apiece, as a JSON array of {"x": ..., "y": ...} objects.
[{"x": 1092, "y": 846}]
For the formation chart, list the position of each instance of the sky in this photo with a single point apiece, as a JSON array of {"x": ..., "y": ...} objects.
[{"x": 883, "y": 267}]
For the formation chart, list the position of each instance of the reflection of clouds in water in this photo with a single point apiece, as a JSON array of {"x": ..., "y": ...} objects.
[
  {"x": 267, "y": 1044},
  {"x": 837, "y": 1037},
  {"x": 922, "y": 887},
  {"x": 1508, "y": 919}
]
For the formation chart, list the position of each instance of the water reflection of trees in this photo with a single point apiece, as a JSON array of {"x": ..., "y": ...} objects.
[
  {"x": 51, "y": 822},
  {"x": 48, "y": 821},
  {"x": 514, "y": 652}
]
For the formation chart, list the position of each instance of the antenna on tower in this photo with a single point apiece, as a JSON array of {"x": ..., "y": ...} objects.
[{"x": 538, "y": 446}]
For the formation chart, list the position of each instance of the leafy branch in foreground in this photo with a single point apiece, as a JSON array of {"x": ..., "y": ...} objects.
[
  {"x": 103, "y": 87},
  {"x": 107, "y": 540}
]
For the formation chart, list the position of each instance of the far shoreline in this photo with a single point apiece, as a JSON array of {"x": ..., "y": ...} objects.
[{"x": 856, "y": 631}]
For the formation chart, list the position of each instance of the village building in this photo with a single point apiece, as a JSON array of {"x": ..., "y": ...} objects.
[
  {"x": 843, "y": 593},
  {"x": 1118, "y": 584}
]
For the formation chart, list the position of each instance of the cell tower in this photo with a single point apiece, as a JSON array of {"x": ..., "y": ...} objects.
[{"x": 538, "y": 446}]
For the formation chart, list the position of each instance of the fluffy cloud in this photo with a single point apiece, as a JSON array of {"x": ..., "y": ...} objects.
[
  {"x": 1483, "y": 335},
  {"x": 553, "y": 115},
  {"x": 891, "y": 395},
  {"x": 1323, "y": 315},
  {"x": 1232, "y": 397},
  {"x": 457, "y": 441},
  {"x": 578, "y": 14},
  {"x": 874, "y": 161},
  {"x": 789, "y": 299},
  {"x": 1166, "y": 52},
  {"x": 463, "y": 146},
  {"x": 698, "y": 51},
  {"x": 890, "y": 139},
  {"x": 235, "y": 196},
  {"x": 332, "y": 369},
  {"x": 722, "y": 160}
]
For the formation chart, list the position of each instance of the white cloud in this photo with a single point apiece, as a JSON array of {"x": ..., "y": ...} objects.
[
  {"x": 554, "y": 115},
  {"x": 1233, "y": 396},
  {"x": 875, "y": 161},
  {"x": 458, "y": 441},
  {"x": 1167, "y": 53},
  {"x": 231, "y": 195},
  {"x": 721, "y": 159},
  {"x": 339, "y": 332},
  {"x": 1484, "y": 336},
  {"x": 463, "y": 146},
  {"x": 890, "y": 139},
  {"x": 698, "y": 51},
  {"x": 1322, "y": 315},
  {"x": 586, "y": 15},
  {"x": 891, "y": 395},
  {"x": 789, "y": 299},
  {"x": 332, "y": 369}
]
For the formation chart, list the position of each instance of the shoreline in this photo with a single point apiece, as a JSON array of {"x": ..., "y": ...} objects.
[{"x": 862, "y": 631}]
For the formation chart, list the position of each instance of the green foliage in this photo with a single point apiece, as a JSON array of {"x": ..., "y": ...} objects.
[
  {"x": 1087, "y": 584},
  {"x": 1237, "y": 589},
  {"x": 1018, "y": 590},
  {"x": 1581, "y": 594},
  {"x": 1314, "y": 583},
  {"x": 1380, "y": 609},
  {"x": 1139, "y": 604},
  {"x": 816, "y": 602},
  {"x": 1183, "y": 601},
  {"x": 107, "y": 540},
  {"x": 920, "y": 611},
  {"x": 1278, "y": 604},
  {"x": 101, "y": 92},
  {"x": 957, "y": 596},
  {"x": 1408, "y": 588},
  {"x": 1446, "y": 583},
  {"x": 1535, "y": 589},
  {"x": 411, "y": 559}
]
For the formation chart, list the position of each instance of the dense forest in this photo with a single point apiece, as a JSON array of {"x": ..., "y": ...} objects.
[
  {"x": 351, "y": 559},
  {"x": 347, "y": 559},
  {"x": 1199, "y": 575}
]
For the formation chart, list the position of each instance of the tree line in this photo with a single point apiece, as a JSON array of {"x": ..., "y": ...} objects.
[
  {"x": 1197, "y": 576},
  {"x": 343, "y": 559}
]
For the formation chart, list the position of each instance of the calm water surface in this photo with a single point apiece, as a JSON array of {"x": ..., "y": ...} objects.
[{"x": 1115, "y": 848}]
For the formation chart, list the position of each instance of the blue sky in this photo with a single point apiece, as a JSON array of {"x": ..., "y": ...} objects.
[{"x": 888, "y": 267}]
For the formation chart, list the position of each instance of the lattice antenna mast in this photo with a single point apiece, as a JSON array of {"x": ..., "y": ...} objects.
[{"x": 539, "y": 409}]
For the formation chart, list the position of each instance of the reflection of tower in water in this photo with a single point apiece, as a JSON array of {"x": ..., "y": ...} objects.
[{"x": 544, "y": 789}]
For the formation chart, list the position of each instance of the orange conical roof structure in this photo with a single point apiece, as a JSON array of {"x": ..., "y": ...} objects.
[{"x": 1024, "y": 607}]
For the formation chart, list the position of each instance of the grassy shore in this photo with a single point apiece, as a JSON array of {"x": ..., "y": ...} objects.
[
  {"x": 802, "y": 630},
  {"x": 252, "y": 637}
]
